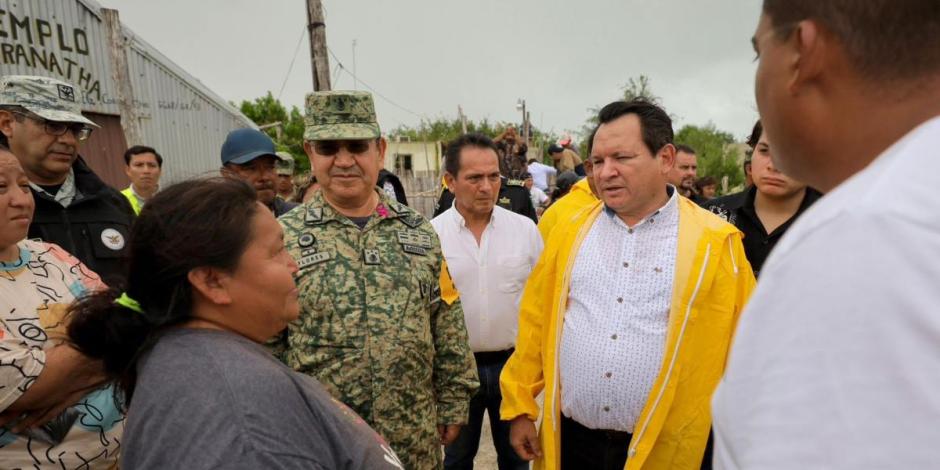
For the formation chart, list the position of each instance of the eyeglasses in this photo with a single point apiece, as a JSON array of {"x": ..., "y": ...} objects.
[
  {"x": 57, "y": 128},
  {"x": 329, "y": 148}
]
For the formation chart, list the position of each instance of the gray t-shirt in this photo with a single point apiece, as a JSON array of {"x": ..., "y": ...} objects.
[{"x": 212, "y": 399}]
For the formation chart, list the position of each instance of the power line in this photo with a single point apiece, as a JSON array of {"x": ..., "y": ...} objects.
[
  {"x": 294, "y": 59},
  {"x": 373, "y": 90}
]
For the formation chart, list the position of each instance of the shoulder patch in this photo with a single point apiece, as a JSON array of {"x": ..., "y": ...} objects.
[{"x": 412, "y": 219}]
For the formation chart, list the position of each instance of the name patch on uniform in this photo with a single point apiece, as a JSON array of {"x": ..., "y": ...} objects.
[
  {"x": 414, "y": 238},
  {"x": 415, "y": 250},
  {"x": 313, "y": 259}
]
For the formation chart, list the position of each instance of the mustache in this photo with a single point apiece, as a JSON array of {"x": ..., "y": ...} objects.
[
  {"x": 262, "y": 185},
  {"x": 64, "y": 148}
]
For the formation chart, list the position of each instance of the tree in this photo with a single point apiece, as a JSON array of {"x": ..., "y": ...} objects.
[
  {"x": 445, "y": 129},
  {"x": 290, "y": 135},
  {"x": 716, "y": 152}
]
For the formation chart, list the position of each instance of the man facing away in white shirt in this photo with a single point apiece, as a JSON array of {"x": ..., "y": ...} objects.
[
  {"x": 489, "y": 252},
  {"x": 836, "y": 360}
]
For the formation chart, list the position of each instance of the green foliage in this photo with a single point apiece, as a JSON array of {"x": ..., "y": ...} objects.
[
  {"x": 717, "y": 157},
  {"x": 445, "y": 129},
  {"x": 268, "y": 110}
]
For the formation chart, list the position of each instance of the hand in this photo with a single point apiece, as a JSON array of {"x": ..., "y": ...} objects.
[
  {"x": 38, "y": 417},
  {"x": 448, "y": 433},
  {"x": 524, "y": 438}
]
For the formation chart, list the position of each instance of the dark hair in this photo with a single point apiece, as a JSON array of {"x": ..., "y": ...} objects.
[
  {"x": 705, "y": 181},
  {"x": 139, "y": 149},
  {"x": 685, "y": 149},
  {"x": 756, "y": 132},
  {"x": 452, "y": 152},
  {"x": 188, "y": 225},
  {"x": 883, "y": 39},
  {"x": 655, "y": 124}
]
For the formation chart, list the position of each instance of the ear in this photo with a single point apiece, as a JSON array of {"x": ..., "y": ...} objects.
[
  {"x": 811, "y": 55},
  {"x": 308, "y": 149},
  {"x": 211, "y": 284},
  {"x": 449, "y": 180},
  {"x": 6, "y": 123},
  {"x": 383, "y": 146},
  {"x": 667, "y": 158},
  {"x": 227, "y": 172}
]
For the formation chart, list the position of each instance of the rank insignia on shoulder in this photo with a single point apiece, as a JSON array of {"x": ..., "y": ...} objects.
[
  {"x": 313, "y": 215},
  {"x": 505, "y": 201},
  {"x": 412, "y": 220}
]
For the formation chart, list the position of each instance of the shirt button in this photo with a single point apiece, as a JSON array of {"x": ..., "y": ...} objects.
[
  {"x": 608, "y": 375},
  {"x": 651, "y": 220},
  {"x": 606, "y": 408},
  {"x": 619, "y": 300},
  {"x": 626, "y": 264},
  {"x": 629, "y": 230},
  {"x": 613, "y": 337}
]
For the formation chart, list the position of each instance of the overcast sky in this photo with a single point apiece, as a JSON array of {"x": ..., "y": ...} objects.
[{"x": 428, "y": 56}]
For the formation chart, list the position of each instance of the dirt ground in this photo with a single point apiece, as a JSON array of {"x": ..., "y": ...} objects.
[{"x": 486, "y": 456}]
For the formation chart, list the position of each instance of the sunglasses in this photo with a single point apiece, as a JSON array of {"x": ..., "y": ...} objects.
[
  {"x": 57, "y": 128},
  {"x": 331, "y": 147}
]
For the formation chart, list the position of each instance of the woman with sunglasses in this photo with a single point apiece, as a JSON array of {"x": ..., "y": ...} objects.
[{"x": 209, "y": 280}]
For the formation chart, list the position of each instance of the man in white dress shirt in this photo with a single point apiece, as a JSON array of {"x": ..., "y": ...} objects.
[
  {"x": 490, "y": 252},
  {"x": 626, "y": 320},
  {"x": 836, "y": 362}
]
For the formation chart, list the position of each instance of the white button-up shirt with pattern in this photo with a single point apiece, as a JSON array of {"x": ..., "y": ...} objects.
[
  {"x": 490, "y": 276},
  {"x": 614, "y": 331}
]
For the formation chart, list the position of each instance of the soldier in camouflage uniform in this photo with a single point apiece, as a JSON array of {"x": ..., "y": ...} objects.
[{"x": 376, "y": 327}]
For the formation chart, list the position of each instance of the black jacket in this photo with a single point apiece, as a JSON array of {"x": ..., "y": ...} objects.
[
  {"x": 512, "y": 196},
  {"x": 386, "y": 176},
  {"x": 94, "y": 228},
  {"x": 738, "y": 209}
]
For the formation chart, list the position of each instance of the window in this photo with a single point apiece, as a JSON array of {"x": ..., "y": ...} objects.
[{"x": 403, "y": 163}]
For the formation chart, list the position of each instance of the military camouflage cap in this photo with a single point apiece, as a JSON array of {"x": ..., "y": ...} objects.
[
  {"x": 285, "y": 163},
  {"x": 339, "y": 115},
  {"x": 45, "y": 97}
]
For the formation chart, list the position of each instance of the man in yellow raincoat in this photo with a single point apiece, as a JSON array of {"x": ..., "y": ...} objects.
[{"x": 626, "y": 320}]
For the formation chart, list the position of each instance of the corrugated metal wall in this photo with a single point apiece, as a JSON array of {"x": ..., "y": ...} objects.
[{"x": 66, "y": 39}]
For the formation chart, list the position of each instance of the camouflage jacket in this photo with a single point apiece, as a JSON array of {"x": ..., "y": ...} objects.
[{"x": 374, "y": 326}]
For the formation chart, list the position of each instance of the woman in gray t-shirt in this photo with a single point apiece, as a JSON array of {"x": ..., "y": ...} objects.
[{"x": 209, "y": 281}]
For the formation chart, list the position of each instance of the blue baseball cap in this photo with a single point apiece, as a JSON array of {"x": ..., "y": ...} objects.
[{"x": 244, "y": 145}]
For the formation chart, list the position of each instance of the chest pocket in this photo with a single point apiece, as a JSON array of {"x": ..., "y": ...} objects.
[{"x": 515, "y": 272}]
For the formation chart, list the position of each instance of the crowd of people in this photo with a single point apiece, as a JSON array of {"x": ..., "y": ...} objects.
[{"x": 603, "y": 311}]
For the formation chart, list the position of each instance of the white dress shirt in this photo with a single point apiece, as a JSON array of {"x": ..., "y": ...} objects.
[
  {"x": 538, "y": 197},
  {"x": 490, "y": 276},
  {"x": 540, "y": 173},
  {"x": 836, "y": 359},
  {"x": 614, "y": 332}
]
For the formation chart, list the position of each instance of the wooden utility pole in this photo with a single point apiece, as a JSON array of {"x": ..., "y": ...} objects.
[
  {"x": 121, "y": 75},
  {"x": 463, "y": 119},
  {"x": 319, "y": 61}
]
